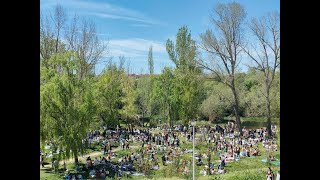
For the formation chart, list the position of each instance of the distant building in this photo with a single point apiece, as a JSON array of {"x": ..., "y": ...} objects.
[{"x": 137, "y": 76}]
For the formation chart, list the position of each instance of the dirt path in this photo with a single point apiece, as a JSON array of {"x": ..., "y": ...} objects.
[{"x": 93, "y": 154}]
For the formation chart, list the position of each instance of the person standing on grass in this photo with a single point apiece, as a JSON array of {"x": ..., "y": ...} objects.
[
  {"x": 127, "y": 144},
  {"x": 163, "y": 159},
  {"x": 122, "y": 144},
  {"x": 64, "y": 166},
  {"x": 278, "y": 175},
  {"x": 52, "y": 163},
  {"x": 104, "y": 149},
  {"x": 42, "y": 161}
]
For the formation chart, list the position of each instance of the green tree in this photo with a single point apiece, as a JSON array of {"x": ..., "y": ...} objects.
[
  {"x": 183, "y": 52},
  {"x": 109, "y": 94},
  {"x": 66, "y": 105},
  {"x": 129, "y": 109},
  {"x": 145, "y": 89},
  {"x": 150, "y": 61},
  {"x": 218, "y": 103},
  {"x": 188, "y": 82},
  {"x": 165, "y": 94},
  {"x": 252, "y": 96}
]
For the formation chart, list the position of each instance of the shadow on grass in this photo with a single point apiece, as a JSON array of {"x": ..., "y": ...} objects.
[
  {"x": 47, "y": 170},
  {"x": 50, "y": 171},
  {"x": 255, "y": 124}
]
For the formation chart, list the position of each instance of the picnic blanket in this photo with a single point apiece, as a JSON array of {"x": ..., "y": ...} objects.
[
  {"x": 137, "y": 174},
  {"x": 276, "y": 162},
  {"x": 196, "y": 157},
  {"x": 272, "y": 162}
]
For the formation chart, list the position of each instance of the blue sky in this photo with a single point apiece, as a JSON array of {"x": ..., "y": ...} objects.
[{"x": 131, "y": 26}]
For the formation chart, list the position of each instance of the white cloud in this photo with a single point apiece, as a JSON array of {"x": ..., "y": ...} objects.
[
  {"x": 140, "y": 25},
  {"x": 102, "y": 10},
  {"x": 134, "y": 47},
  {"x": 129, "y": 18}
]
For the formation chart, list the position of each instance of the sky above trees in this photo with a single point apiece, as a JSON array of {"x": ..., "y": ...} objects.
[{"x": 130, "y": 27}]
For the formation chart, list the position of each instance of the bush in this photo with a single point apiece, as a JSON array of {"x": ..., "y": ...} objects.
[{"x": 123, "y": 153}]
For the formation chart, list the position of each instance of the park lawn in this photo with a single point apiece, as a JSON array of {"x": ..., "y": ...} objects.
[
  {"x": 45, "y": 175},
  {"x": 246, "y": 168}
]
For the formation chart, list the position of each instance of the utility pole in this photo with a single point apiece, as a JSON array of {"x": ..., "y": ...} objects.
[{"x": 193, "y": 170}]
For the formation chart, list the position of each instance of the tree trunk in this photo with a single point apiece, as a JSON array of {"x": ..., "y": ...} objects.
[
  {"x": 236, "y": 109},
  {"x": 142, "y": 121},
  {"x": 75, "y": 156},
  {"x": 209, "y": 160},
  {"x": 169, "y": 115},
  {"x": 268, "y": 112}
]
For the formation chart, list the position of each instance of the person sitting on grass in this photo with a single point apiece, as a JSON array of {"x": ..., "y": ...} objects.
[
  {"x": 96, "y": 161},
  {"x": 69, "y": 176},
  {"x": 221, "y": 169},
  {"x": 203, "y": 172},
  {"x": 205, "y": 155},
  {"x": 98, "y": 174},
  {"x": 237, "y": 151},
  {"x": 156, "y": 166},
  {"x": 255, "y": 152},
  {"x": 270, "y": 175},
  {"x": 236, "y": 157},
  {"x": 211, "y": 169},
  {"x": 272, "y": 158},
  {"x": 103, "y": 173},
  {"x": 78, "y": 169},
  {"x": 248, "y": 152},
  {"x": 199, "y": 163},
  {"x": 186, "y": 170},
  {"x": 103, "y": 160},
  {"x": 92, "y": 173},
  {"x": 79, "y": 176},
  {"x": 243, "y": 152}
]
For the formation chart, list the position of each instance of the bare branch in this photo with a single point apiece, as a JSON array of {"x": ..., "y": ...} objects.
[{"x": 206, "y": 67}]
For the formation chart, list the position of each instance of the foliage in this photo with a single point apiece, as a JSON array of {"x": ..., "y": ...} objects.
[
  {"x": 186, "y": 91},
  {"x": 66, "y": 104},
  {"x": 109, "y": 94},
  {"x": 129, "y": 109}
]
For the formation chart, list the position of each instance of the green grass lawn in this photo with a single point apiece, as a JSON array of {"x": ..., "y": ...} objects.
[{"x": 45, "y": 175}]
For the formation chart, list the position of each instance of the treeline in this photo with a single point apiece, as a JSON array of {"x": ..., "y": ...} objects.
[{"x": 73, "y": 97}]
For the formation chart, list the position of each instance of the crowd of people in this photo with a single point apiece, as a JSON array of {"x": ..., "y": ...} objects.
[{"x": 225, "y": 141}]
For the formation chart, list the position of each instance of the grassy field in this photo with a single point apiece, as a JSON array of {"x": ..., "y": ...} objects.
[{"x": 246, "y": 168}]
